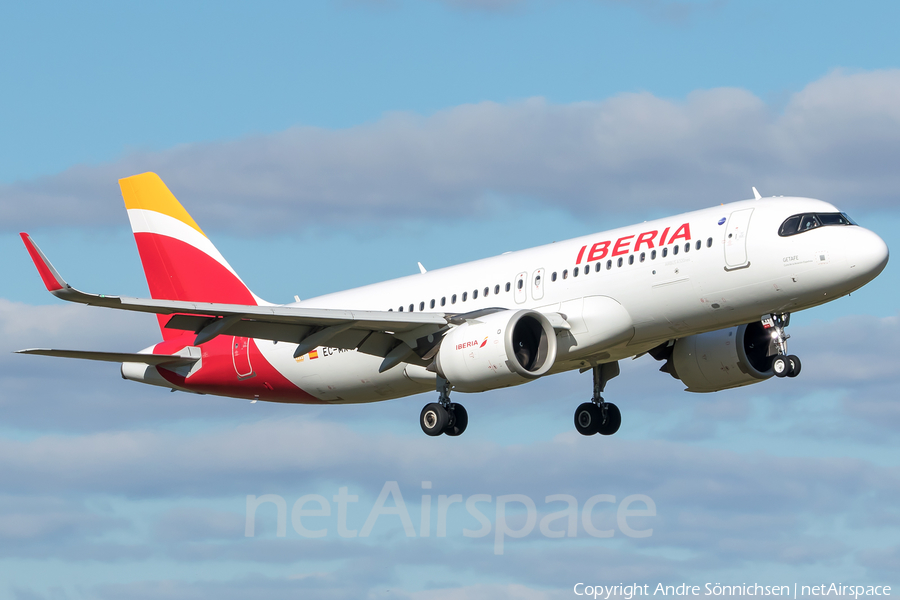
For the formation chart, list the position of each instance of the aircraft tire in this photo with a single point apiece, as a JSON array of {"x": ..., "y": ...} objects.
[
  {"x": 781, "y": 365},
  {"x": 434, "y": 419},
  {"x": 613, "y": 420},
  {"x": 795, "y": 365},
  {"x": 587, "y": 418},
  {"x": 459, "y": 420}
]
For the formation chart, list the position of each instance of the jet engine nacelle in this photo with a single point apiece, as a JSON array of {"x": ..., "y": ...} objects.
[
  {"x": 723, "y": 359},
  {"x": 497, "y": 350}
]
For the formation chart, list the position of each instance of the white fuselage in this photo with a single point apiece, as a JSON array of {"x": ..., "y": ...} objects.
[{"x": 730, "y": 267}]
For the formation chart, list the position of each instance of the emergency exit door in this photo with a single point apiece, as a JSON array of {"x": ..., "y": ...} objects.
[{"x": 537, "y": 284}]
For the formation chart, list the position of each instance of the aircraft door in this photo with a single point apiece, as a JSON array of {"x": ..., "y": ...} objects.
[
  {"x": 240, "y": 357},
  {"x": 736, "y": 239},
  {"x": 537, "y": 284},
  {"x": 521, "y": 293}
]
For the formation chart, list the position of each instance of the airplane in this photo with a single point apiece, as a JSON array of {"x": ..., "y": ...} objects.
[{"x": 708, "y": 293}]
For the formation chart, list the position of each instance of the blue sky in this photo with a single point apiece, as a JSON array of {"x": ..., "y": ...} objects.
[{"x": 328, "y": 145}]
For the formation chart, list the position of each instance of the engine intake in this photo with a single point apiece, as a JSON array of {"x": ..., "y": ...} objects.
[{"x": 497, "y": 350}]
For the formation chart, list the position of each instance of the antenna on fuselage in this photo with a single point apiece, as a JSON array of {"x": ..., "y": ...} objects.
[
  {"x": 422, "y": 268},
  {"x": 756, "y": 195}
]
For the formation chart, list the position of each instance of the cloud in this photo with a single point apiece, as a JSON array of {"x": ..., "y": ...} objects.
[
  {"x": 50, "y": 519},
  {"x": 198, "y": 524},
  {"x": 883, "y": 562},
  {"x": 834, "y": 139},
  {"x": 720, "y": 508},
  {"x": 96, "y": 398}
]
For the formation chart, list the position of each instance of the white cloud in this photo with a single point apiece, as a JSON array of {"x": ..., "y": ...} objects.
[{"x": 835, "y": 139}]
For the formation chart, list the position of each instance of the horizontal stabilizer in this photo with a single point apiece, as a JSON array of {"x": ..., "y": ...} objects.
[{"x": 116, "y": 357}]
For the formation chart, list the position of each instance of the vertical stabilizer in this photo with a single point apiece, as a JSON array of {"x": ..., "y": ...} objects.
[{"x": 179, "y": 261}]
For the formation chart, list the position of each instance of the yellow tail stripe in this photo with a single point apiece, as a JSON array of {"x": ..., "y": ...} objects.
[{"x": 147, "y": 191}]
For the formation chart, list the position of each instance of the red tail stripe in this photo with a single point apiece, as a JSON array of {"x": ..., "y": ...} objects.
[{"x": 176, "y": 270}]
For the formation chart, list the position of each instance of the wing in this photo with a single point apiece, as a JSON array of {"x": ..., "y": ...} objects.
[{"x": 372, "y": 332}]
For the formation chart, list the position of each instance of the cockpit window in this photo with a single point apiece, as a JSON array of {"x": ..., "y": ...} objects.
[
  {"x": 800, "y": 223},
  {"x": 835, "y": 219},
  {"x": 808, "y": 222}
]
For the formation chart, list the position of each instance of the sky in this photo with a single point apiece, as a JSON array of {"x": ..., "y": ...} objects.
[{"x": 328, "y": 145}]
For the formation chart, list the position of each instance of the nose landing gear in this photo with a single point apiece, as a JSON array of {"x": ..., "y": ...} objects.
[
  {"x": 443, "y": 416},
  {"x": 599, "y": 416},
  {"x": 784, "y": 364}
]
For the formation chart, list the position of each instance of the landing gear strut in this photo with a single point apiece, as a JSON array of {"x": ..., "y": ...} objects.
[
  {"x": 443, "y": 416},
  {"x": 599, "y": 416},
  {"x": 784, "y": 364}
]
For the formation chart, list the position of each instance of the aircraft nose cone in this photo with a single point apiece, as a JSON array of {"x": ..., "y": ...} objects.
[{"x": 870, "y": 256}]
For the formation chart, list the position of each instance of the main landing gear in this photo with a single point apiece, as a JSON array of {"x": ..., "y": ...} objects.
[
  {"x": 784, "y": 364},
  {"x": 443, "y": 416},
  {"x": 599, "y": 416}
]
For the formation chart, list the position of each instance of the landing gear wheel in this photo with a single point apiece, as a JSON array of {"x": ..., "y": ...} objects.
[
  {"x": 434, "y": 419},
  {"x": 459, "y": 419},
  {"x": 587, "y": 418},
  {"x": 795, "y": 365},
  {"x": 613, "y": 420},
  {"x": 781, "y": 365}
]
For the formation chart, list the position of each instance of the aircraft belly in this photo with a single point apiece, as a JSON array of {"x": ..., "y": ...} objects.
[{"x": 341, "y": 376}]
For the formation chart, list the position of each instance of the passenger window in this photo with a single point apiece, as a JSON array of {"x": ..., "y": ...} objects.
[
  {"x": 587, "y": 269},
  {"x": 553, "y": 277},
  {"x": 390, "y": 310},
  {"x": 496, "y": 289},
  {"x": 465, "y": 295},
  {"x": 474, "y": 294},
  {"x": 575, "y": 272},
  {"x": 675, "y": 249},
  {"x": 643, "y": 256},
  {"x": 709, "y": 243},
  {"x": 687, "y": 247},
  {"x": 608, "y": 265},
  {"x": 401, "y": 309},
  {"x": 410, "y": 308},
  {"x": 486, "y": 290},
  {"x": 665, "y": 252},
  {"x": 453, "y": 299},
  {"x": 444, "y": 301},
  {"x": 597, "y": 267},
  {"x": 699, "y": 244},
  {"x": 431, "y": 304},
  {"x": 631, "y": 259},
  {"x": 619, "y": 262},
  {"x": 507, "y": 286},
  {"x": 422, "y": 305},
  {"x": 520, "y": 283},
  {"x": 653, "y": 255}
]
